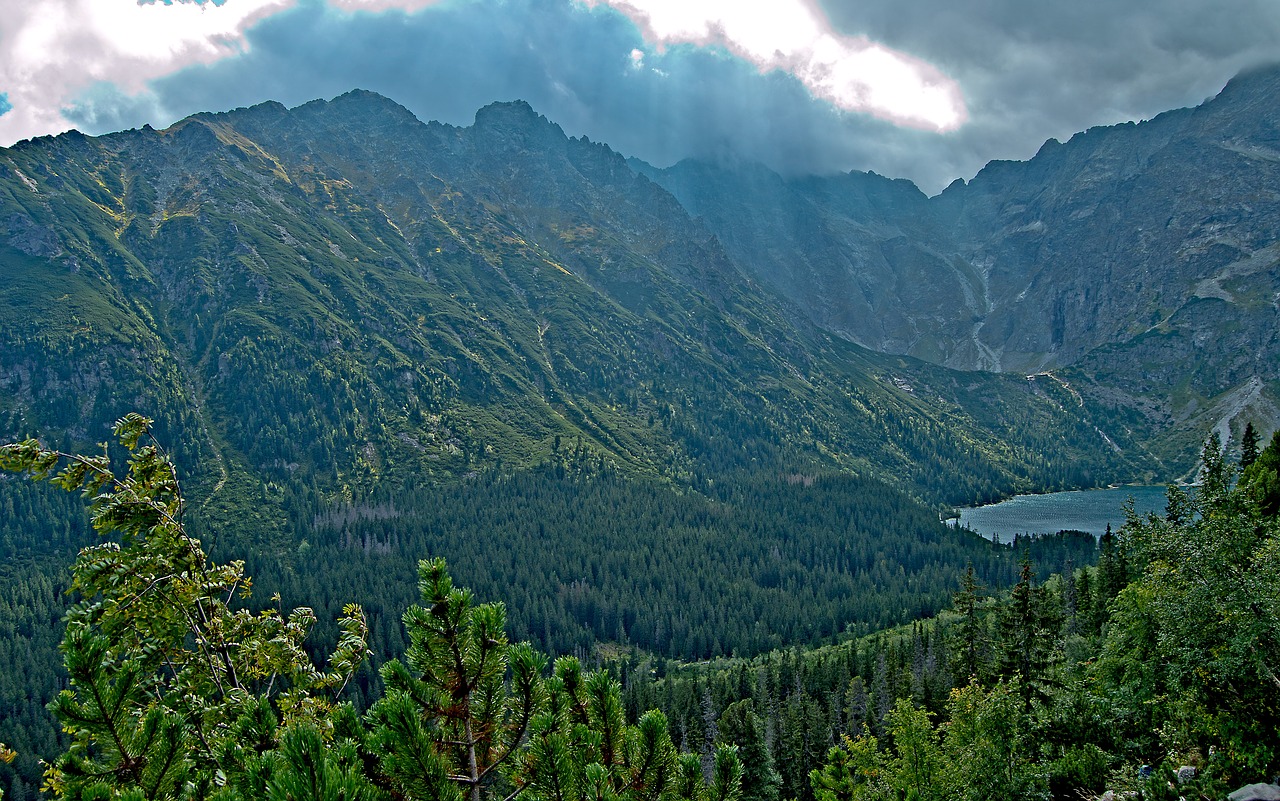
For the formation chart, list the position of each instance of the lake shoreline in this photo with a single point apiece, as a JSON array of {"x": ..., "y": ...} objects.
[{"x": 1091, "y": 510}]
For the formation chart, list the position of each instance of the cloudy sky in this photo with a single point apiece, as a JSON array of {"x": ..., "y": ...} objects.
[{"x": 925, "y": 89}]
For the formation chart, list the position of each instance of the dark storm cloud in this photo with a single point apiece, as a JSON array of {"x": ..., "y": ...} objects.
[
  {"x": 572, "y": 63},
  {"x": 1029, "y": 71}
]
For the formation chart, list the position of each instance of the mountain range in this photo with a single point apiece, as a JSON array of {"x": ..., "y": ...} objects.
[
  {"x": 368, "y": 340},
  {"x": 337, "y": 310},
  {"x": 342, "y": 292},
  {"x": 1139, "y": 262},
  {"x": 699, "y": 410}
]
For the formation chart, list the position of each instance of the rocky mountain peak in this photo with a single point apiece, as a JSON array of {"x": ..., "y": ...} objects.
[
  {"x": 516, "y": 124},
  {"x": 366, "y": 102},
  {"x": 1258, "y": 81}
]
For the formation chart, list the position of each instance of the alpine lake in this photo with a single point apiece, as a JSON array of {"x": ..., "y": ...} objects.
[{"x": 1081, "y": 510}]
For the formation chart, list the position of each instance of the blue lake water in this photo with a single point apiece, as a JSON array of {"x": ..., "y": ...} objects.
[{"x": 1087, "y": 510}]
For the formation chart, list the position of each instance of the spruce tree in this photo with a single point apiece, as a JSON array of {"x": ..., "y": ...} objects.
[
  {"x": 1260, "y": 481},
  {"x": 1112, "y": 573},
  {"x": 1248, "y": 445},
  {"x": 1026, "y": 641},
  {"x": 740, "y": 726},
  {"x": 970, "y": 633}
]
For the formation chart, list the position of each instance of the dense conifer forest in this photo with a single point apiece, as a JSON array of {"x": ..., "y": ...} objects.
[
  {"x": 1152, "y": 670},
  {"x": 584, "y": 557}
]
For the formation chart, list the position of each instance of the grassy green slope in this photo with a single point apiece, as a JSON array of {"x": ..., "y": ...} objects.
[{"x": 342, "y": 292}]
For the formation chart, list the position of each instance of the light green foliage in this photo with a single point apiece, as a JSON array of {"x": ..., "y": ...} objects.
[
  {"x": 7, "y": 755},
  {"x": 854, "y": 771},
  {"x": 726, "y": 776},
  {"x": 1260, "y": 478},
  {"x": 989, "y": 747},
  {"x": 985, "y": 754},
  {"x": 160, "y": 657},
  {"x": 580, "y": 743},
  {"x": 459, "y": 718},
  {"x": 582, "y": 749},
  {"x": 916, "y": 769},
  {"x": 306, "y": 766}
]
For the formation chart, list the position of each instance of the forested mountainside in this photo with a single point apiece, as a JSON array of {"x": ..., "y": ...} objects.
[
  {"x": 370, "y": 340},
  {"x": 1151, "y": 674},
  {"x": 393, "y": 338},
  {"x": 1138, "y": 262},
  {"x": 344, "y": 291}
]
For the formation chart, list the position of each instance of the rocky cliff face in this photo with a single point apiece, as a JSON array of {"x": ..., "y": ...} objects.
[
  {"x": 1118, "y": 231},
  {"x": 1146, "y": 257}
]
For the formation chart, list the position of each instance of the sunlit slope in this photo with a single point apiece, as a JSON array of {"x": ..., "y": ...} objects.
[{"x": 339, "y": 293}]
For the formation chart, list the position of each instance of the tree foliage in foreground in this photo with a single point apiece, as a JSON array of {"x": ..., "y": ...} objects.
[
  {"x": 179, "y": 691},
  {"x": 1194, "y": 641},
  {"x": 1183, "y": 671}
]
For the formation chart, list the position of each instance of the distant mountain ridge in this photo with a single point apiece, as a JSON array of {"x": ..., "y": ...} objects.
[
  {"x": 1143, "y": 257},
  {"x": 340, "y": 293}
]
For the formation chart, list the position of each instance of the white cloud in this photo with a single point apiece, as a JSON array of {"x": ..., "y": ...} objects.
[
  {"x": 851, "y": 72},
  {"x": 53, "y": 50},
  {"x": 60, "y": 54}
]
